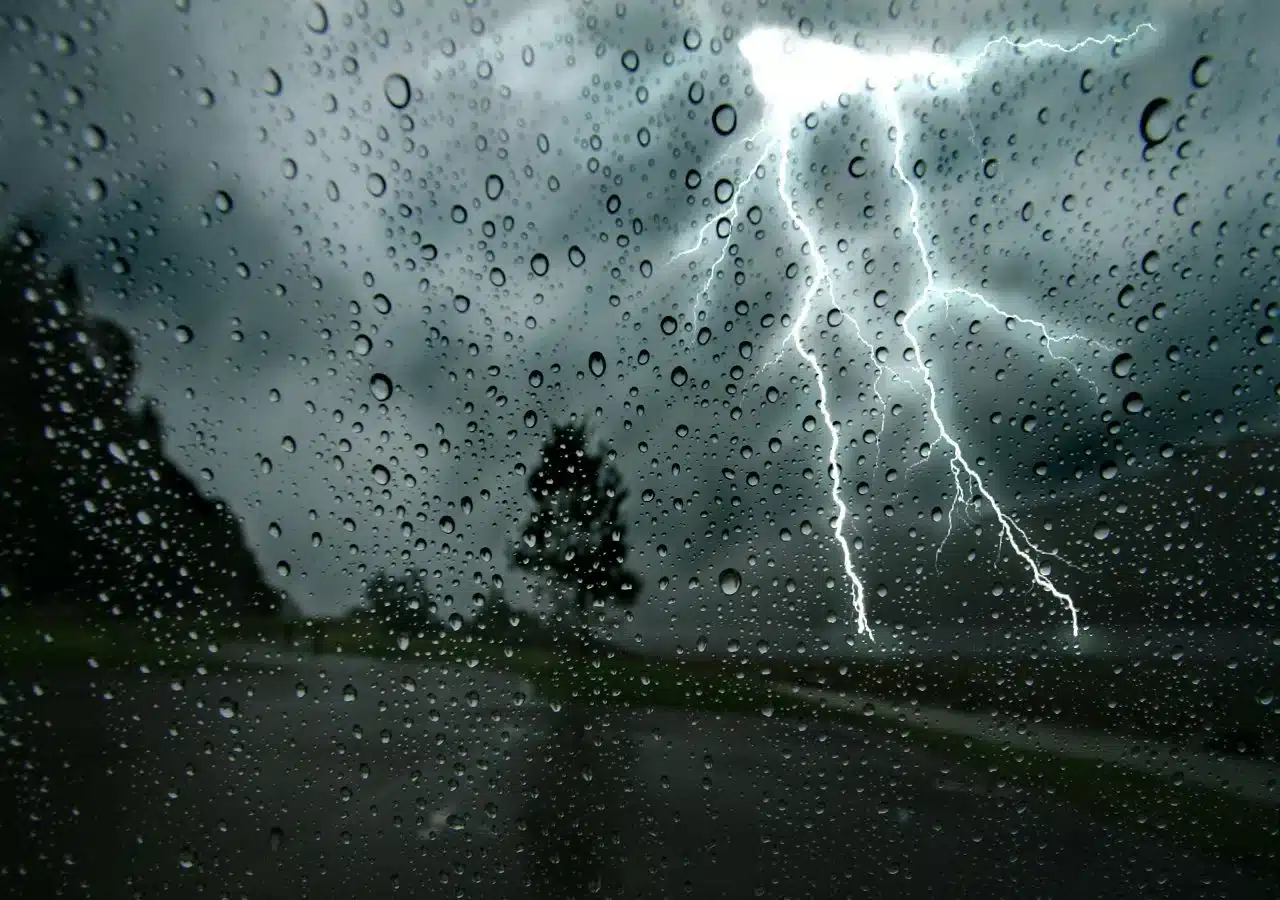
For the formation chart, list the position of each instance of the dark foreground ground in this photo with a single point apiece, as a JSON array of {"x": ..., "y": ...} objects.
[{"x": 345, "y": 778}]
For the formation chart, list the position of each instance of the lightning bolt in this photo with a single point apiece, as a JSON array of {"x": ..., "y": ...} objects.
[{"x": 800, "y": 75}]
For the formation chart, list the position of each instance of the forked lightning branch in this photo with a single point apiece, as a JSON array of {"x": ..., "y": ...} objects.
[{"x": 798, "y": 76}]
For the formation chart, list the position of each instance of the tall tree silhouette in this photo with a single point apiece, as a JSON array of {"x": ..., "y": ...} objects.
[{"x": 575, "y": 538}]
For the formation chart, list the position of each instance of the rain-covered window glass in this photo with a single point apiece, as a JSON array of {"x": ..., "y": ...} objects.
[{"x": 467, "y": 448}]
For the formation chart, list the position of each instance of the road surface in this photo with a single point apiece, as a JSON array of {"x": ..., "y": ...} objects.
[{"x": 348, "y": 778}]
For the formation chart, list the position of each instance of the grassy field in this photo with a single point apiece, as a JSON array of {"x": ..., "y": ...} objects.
[
  {"x": 1173, "y": 700},
  {"x": 1078, "y": 693}
]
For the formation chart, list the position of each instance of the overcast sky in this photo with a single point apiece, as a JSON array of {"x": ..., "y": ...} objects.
[{"x": 470, "y": 200}]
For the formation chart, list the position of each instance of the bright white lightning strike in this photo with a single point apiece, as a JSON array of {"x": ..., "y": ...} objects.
[{"x": 796, "y": 76}]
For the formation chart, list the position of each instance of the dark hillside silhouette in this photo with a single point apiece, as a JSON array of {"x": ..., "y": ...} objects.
[{"x": 92, "y": 512}]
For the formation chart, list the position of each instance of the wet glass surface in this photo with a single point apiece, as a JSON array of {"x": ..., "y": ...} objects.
[{"x": 638, "y": 450}]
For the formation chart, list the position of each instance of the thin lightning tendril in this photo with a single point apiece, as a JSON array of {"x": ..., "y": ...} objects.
[{"x": 790, "y": 94}]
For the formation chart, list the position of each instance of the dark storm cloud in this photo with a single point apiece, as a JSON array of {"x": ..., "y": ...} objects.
[{"x": 343, "y": 187}]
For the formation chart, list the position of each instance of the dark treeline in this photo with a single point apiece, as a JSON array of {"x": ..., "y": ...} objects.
[
  {"x": 93, "y": 514},
  {"x": 402, "y": 604}
]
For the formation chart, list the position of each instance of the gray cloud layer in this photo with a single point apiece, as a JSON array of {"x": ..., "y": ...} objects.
[{"x": 265, "y": 191}]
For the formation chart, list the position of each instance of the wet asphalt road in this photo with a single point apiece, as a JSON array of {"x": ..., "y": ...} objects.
[{"x": 342, "y": 778}]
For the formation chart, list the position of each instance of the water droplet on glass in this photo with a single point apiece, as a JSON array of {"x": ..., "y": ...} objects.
[
  {"x": 271, "y": 83},
  {"x": 539, "y": 264},
  {"x": 395, "y": 87},
  {"x": 679, "y": 376},
  {"x": 596, "y": 363},
  {"x": 493, "y": 187},
  {"x": 94, "y": 137},
  {"x": 1122, "y": 365},
  {"x": 730, "y": 581},
  {"x": 1156, "y": 122},
  {"x": 447, "y": 524},
  {"x": 1133, "y": 403},
  {"x": 1202, "y": 71},
  {"x": 380, "y": 387},
  {"x": 725, "y": 119},
  {"x": 317, "y": 19}
]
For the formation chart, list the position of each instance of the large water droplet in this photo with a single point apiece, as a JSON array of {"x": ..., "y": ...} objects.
[
  {"x": 725, "y": 119},
  {"x": 271, "y": 83},
  {"x": 730, "y": 581},
  {"x": 395, "y": 87},
  {"x": 317, "y": 19},
  {"x": 1156, "y": 122},
  {"x": 596, "y": 363},
  {"x": 380, "y": 386},
  {"x": 1202, "y": 71}
]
